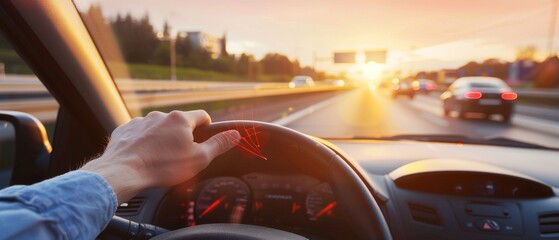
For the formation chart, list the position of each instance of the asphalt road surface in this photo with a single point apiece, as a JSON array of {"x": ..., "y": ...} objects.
[{"x": 365, "y": 113}]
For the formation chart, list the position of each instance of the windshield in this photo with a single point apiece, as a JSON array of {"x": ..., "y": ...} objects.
[{"x": 240, "y": 59}]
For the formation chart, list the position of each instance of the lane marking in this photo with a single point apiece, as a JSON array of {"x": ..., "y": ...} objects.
[
  {"x": 310, "y": 109},
  {"x": 434, "y": 119}
]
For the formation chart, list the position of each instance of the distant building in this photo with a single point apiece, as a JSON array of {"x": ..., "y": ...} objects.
[{"x": 215, "y": 45}]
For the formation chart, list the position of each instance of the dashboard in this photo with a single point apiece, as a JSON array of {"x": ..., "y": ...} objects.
[
  {"x": 425, "y": 191},
  {"x": 448, "y": 191},
  {"x": 292, "y": 202}
]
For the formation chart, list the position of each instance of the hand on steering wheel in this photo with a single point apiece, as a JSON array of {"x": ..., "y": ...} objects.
[{"x": 284, "y": 144}]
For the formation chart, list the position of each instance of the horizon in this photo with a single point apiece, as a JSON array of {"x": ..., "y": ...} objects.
[{"x": 423, "y": 36}]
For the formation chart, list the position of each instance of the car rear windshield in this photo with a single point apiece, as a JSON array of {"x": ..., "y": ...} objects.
[{"x": 484, "y": 85}]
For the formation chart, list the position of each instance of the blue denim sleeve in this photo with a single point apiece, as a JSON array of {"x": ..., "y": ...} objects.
[{"x": 75, "y": 205}]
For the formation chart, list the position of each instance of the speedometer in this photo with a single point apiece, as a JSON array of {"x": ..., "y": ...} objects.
[
  {"x": 222, "y": 200},
  {"x": 320, "y": 202}
]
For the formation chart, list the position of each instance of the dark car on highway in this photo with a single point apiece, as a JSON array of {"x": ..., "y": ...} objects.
[
  {"x": 403, "y": 88},
  {"x": 487, "y": 95}
]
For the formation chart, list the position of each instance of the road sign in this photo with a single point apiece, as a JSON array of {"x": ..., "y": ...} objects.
[
  {"x": 377, "y": 56},
  {"x": 344, "y": 57}
]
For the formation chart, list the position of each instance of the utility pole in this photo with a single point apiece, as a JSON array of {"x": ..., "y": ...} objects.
[
  {"x": 314, "y": 61},
  {"x": 552, "y": 28},
  {"x": 173, "y": 59},
  {"x": 249, "y": 69},
  {"x": 410, "y": 63}
]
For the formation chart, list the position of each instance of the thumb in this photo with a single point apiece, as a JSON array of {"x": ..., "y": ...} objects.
[{"x": 221, "y": 143}]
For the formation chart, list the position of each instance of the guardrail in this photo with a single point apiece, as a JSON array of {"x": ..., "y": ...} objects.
[
  {"x": 29, "y": 84},
  {"x": 538, "y": 93},
  {"x": 141, "y": 94}
]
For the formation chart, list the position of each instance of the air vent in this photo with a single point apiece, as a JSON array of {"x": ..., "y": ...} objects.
[
  {"x": 549, "y": 223},
  {"x": 131, "y": 207},
  {"x": 424, "y": 214}
]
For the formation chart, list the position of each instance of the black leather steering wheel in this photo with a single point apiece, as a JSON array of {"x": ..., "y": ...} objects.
[{"x": 304, "y": 152}]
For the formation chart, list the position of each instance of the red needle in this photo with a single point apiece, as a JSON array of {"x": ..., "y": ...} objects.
[
  {"x": 213, "y": 205},
  {"x": 325, "y": 209}
]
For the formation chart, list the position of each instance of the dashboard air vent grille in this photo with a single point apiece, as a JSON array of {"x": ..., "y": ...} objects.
[
  {"x": 424, "y": 214},
  {"x": 549, "y": 223},
  {"x": 131, "y": 207}
]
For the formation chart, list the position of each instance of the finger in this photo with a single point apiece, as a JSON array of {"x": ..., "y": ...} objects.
[
  {"x": 197, "y": 118},
  {"x": 221, "y": 143}
]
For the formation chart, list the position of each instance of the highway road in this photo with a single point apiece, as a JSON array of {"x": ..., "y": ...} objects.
[{"x": 364, "y": 113}]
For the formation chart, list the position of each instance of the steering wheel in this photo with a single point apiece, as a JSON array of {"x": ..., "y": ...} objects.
[{"x": 304, "y": 152}]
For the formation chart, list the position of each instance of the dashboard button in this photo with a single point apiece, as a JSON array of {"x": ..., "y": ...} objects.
[{"x": 488, "y": 225}]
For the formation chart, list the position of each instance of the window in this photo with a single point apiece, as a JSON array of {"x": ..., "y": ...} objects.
[
  {"x": 7, "y": 147},
  {"x": 20, "y": 90}
]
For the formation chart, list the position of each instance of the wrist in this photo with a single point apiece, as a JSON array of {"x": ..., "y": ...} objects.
[{"x": 126, "y": 181}]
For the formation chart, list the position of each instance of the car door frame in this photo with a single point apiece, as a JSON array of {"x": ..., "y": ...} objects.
[{"x": 53, "y": 40}]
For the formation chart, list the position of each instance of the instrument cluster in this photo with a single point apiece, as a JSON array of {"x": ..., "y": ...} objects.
[{"x": 292, "y": 202}]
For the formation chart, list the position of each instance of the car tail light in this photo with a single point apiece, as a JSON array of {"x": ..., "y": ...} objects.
[
  {"x": 472, "y": 95},
  {"x": 509, "y": 96}
]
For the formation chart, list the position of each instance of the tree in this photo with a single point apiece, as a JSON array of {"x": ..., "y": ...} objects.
[
  {"x": 546, "y": 74},
  {"x": 183, "y": 48},
  {"x": 136, "y": 41},
  {"x": 106, "y": 43},
  {"x": 225, "y": 63},
  {"x": 307, "y": 71},
  {"x": 277, "y": 64},
  {"x": 296, "y": 68},
  {"x": 199, "y": 58},
  {"x": 162, "y": 54},
  {"x": 248, "y": 67},
  {"x": 470, "y": 69},
  {"x": 526, "y": 53},
  {"x": 166, "y": 30},
  {"x": 490, "y": 67},
  {"x": 137, "y": 38}
]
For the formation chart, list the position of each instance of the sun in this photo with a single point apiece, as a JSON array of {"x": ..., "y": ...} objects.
[
  {"x": 370, "y": 72},
  {"x": 373, "y": 71}
]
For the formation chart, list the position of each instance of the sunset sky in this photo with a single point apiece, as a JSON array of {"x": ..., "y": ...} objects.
[{"x": 443, "y": 33}]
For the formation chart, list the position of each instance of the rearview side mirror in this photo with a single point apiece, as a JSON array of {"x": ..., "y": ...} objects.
[{"x": 32, "y": 148}]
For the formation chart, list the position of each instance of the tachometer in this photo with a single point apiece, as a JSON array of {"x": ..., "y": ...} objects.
[
  {"x": 222, "y": 200},
  {"x": 320, "y": 202}
]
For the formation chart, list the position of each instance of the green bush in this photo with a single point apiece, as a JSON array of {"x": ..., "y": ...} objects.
[
  {"x": 145, "y": 71},
  {"x": 13, "y": 64}
]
